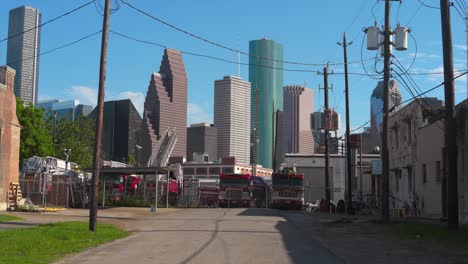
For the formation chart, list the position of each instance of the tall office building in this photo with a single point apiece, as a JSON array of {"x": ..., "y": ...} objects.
[
  {"x": 166, "y": 105},
  {"x": 121, "y": 126},
  {"x": 266, "y": 78},
  {"x": 376, "y": 108},
  {"x": 202, "y": 139},
  {"x": 298, "y": 106},
  {"x": 23, "y": 51},
  {"x": 232, "y": 118}
]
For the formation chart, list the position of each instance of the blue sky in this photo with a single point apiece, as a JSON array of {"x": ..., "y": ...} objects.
[{"x": 308, "y": 30}]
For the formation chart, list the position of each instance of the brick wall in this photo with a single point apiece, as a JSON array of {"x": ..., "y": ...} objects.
[{"x": 9, "y": 134}]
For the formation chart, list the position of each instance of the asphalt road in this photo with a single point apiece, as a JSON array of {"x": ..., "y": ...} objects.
[{"x": 212, "y": 236}]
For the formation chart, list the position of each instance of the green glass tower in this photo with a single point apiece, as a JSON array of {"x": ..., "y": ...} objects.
[{"x": 266, "y": 78}]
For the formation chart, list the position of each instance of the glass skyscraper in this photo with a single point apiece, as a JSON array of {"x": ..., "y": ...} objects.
[
  {"x": 266, "y": 78},
  {"x": 23, "y": 51}
]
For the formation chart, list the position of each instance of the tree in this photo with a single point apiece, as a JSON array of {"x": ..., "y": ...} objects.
[
  {"x": 77, "y": 136},
  {"x": 35, "y": 138}
]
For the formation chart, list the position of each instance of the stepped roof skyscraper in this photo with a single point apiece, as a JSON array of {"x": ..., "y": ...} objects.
[{"x": 166, "y": 105}]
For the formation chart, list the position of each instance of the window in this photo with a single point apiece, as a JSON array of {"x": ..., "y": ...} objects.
[
  {"x": 214, "y": 171},
  {"x": 202, "y": 171},
  {"x": 189, "y": 171},
  {"x": 437, "y": 171},
  {"x": 409, "y": 131},
  {"x": 410, "y": 179},
  {"x": 228, "y": 170},
  {"x": 424, "y": 174}
]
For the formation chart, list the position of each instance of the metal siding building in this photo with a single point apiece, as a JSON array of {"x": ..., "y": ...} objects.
[
  {"x": 298, "y": 106},
  {"x": 232, "y": 118},
  {"x": 23, "y": 51},
  {"x": 266, "y": 78}
]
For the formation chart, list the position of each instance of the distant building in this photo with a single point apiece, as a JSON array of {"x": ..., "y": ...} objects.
[
  {"x": 121, "y": 126},
  {"x": 70, "y": 109},
  {"x": 9, "y": 134},
  {"x": 376, "y": 111},
  {"x": 266, "y": 78},
  {"x": 208, "y": 172},
  {"x": 203, "y": 139},
  {"x": 298, "y": 106},
  {"x": 166, "y": 105},
  {"x": 232, "y": 118},
  {"x": 23, "y": 51}
]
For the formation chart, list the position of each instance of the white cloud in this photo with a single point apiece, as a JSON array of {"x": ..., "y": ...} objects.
[
  {"x": 198, "y": 114},
  {"x": 85, "y": 95},
  {"x": 461, "y": 47},
  {"x": 138, "y": 99},
  {"x": 422, "y": 55}
]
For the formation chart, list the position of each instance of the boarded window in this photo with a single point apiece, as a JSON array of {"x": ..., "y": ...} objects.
[
  {"x": 437, "y": 171},
  {"x": 424, "y": 173}
]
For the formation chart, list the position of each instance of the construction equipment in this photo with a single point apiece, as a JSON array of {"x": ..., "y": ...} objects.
[{"x": 163, "y": 150}]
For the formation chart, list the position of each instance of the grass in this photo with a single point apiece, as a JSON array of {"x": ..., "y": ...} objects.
[
  {"x": 51, "y": 242},
  {"x": 437, "y": 233},
  {"x": 7, "y": 218}
]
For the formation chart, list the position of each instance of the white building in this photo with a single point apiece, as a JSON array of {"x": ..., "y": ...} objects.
[{"x": 232, "y": 118}]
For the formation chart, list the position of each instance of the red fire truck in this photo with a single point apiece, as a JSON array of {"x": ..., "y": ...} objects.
[
  {"x": 288, "y": 189},
  {"x": 234, "y": 190},
  {"x": 209, "y": 196}
]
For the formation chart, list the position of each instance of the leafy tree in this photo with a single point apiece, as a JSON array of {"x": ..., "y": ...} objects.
[
  {"x": 77, "y": 136},
  {"x": 35, "y": 138}
]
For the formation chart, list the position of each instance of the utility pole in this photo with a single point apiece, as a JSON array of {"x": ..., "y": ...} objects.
[
  {"x": 349, "y": 186},
  {"x": 327, "y": 154},
  {"x": 100, "y": 112},
  {"x": 450, "y": 125},
  {"x": 385, "y": 153}
]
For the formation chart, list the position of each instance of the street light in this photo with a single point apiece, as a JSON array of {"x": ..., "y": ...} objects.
[{"x": 138, "y": 154}]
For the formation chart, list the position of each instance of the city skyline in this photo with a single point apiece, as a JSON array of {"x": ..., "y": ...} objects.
[{"x": 62, "y": 81}]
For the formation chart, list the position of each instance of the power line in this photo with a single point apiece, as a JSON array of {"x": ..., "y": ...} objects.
[
  {"x": 49, "y": 21},
  {"x": 426, "y": 5},
  {"x": 60, "y": 47},
  {"x": 224, "y": 46}
]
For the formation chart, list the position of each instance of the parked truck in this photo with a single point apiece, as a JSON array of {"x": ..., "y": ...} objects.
[
  {"x": 234, "y": 190},
  {"x": 288, "y": 189}
]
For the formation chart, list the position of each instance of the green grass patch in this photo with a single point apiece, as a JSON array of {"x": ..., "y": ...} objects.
[
  {"x": 51, "y": 242},
  {"x": 7, "y": 218},
  {"x": 438, "y": 233}
]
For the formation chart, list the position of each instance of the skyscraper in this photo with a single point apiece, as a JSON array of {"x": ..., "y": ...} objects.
[
  {"x": 376, "y": 110},
  {"x": 121, "y": 126},
  {"x": 203, "y": 139},
  {"x": 298, "y": 106},
  {"x": 266, "y": 78},
  {"x": 232, "y": 118},
  {"x": 23, "y": 51},
  {"x": 166, "y": 105}
]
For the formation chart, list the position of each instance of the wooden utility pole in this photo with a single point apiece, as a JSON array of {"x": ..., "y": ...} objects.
[
  {"x": 349, "y": 186},
  {"x": 327, "y": 154},
  {"x": 450, "y": 125},
  {"x": 386, "y": 84},
  {"x": 100, "y": 112}
]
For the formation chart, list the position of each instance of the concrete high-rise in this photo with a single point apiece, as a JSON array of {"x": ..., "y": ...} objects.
[
  {"x": 298, "y": 106},
  {"x": 266, "y": 78},
  {"x": 376, "y": 108},
  {"x": 232, "y": 118},
  {"x": 166, "y": 106},
  {"x": 23, "y": 51},
  {"x": 202, "y": 139}
]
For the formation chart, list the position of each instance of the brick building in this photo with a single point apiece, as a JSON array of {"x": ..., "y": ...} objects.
[
  {"x": 9, "y": 134},
  {"x": 165, "y": 106}
]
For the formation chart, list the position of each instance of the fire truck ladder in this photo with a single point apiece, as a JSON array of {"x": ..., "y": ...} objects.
[{"x": 163, "y": 150}]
